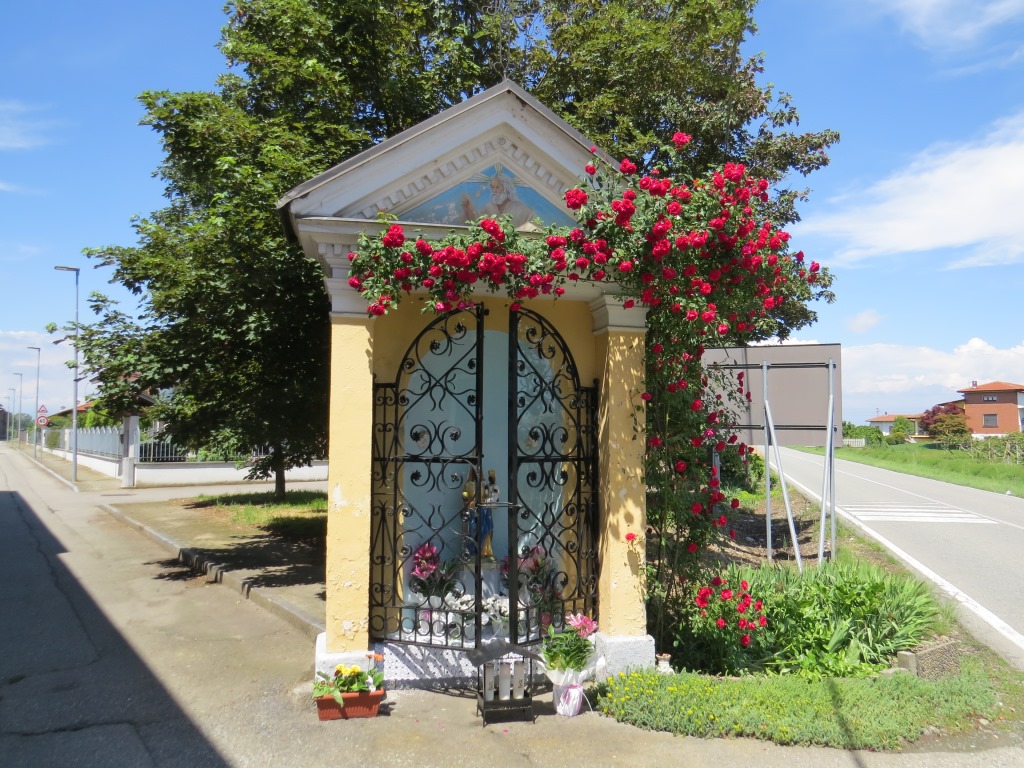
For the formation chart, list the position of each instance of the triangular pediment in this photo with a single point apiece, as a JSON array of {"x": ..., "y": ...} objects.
[{"x": 500, "y": 152}]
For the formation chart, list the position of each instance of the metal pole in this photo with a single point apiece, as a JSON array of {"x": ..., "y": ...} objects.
[
  {"x": 767, "y": 462},
  {"x": 785, "y": 490},
  {"x": 35, "y": 424},
  {"x": 74, "y": 407},
  {"x": 21, "y": 407},
  {"x": 11, "y": 403},
  {"x": 831, "y": 468}
]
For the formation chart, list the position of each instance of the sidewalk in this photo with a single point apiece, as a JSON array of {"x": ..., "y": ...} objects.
[{"x": 283, "y": 578}]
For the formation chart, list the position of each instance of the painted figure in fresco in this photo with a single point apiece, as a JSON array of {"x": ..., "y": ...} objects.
[{"x": 504, "y": 202}]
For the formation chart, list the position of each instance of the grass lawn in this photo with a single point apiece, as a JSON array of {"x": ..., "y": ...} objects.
[
  {"x": 302, "y": 515},
  {"x": 936, "y": 463}
]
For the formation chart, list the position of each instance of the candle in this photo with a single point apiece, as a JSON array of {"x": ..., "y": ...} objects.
[
  {"x": 489, "y": 681},
  {"x": 504, "y": 680},
  {"x": 518, "y": 669}
]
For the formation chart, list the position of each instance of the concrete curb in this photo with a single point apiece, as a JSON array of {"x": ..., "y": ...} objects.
[{"x": 197, "y": 561}]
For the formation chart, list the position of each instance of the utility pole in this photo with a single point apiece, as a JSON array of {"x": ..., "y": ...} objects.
[
  {"x": 35, "y": 416},
  {"x": 74, "y": 405}
]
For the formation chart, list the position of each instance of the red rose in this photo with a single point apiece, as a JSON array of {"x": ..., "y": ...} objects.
[
  {"x": 575, "y": 198},
  {"x": 630, "y": 537},
  {"x": 394, "y": 237}
]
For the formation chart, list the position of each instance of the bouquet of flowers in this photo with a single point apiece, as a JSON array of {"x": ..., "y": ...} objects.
[
  {"x": 535, "y": 578},
  {"x": 569, "y": 661},
  {"x": 496, "y": 608},
  {"x": 431, "y": 577}
]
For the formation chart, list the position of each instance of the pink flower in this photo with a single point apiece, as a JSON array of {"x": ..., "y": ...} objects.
[
  {"x": 630, "y": 537},
  {"x": 584, "y": 625}
]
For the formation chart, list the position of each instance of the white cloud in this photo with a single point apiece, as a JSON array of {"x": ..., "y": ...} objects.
[
  {"x": 962, "y": 196},
  {"x": 864, "y": 321},
  {"x": 17, "y": 130},
  {"x": 892, "y": 378},
  {"x": 894, "y": 368},
  {"x": 951, "y": 23}
]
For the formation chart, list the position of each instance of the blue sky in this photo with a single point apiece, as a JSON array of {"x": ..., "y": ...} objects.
[{"x": 919, "y": 215}]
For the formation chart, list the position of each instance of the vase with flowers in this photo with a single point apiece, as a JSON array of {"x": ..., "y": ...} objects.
[
  {"x": 432, "y": 578},
  {"x": 569, "y": 660},
  {"x": 496, "y": 608},
  {"x": 352, "y": 691}
]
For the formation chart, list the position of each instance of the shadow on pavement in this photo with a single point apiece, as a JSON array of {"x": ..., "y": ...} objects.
[{"x": 72, "y": 691}]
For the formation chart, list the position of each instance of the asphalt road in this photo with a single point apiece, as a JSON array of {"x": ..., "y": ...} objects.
[{"x": 967, "y": 541}]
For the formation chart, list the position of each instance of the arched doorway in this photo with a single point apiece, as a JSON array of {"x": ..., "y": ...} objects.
[{"x": 484, "y": 485}]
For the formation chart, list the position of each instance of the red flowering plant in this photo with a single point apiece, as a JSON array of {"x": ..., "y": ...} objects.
[
  {"x": 724, "y": 631},
  {"x": 709, "y": 271}
]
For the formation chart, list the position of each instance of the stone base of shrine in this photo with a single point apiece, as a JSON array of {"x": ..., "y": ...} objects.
[
  {"x": 625, "y": 652},
  {"x": 425, "y": 666}
]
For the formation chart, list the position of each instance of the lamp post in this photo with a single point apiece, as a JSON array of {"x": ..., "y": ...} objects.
[
  {"x": 74, "y": 406},
  {"x": 35, "y": 423},
  {"x": 21, "y": 408}
]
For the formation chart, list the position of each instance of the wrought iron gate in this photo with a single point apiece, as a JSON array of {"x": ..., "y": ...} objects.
[{"x": 454, "y": 560}]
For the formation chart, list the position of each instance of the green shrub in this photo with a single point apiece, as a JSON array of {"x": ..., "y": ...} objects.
[
  {"x": 875, "y": 713},
  {"x": 842, "y": 618},
  {"x": 839, "y": 619},
  {"x": 722, "y": 627}
]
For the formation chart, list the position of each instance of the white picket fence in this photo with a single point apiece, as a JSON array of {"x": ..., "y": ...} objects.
[{"x": 153, "y": 462}]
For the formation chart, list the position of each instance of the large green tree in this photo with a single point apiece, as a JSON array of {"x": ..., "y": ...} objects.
[{"x": 234, "y": 318}]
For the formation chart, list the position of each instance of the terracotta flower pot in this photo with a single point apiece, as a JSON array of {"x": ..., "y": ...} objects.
[{"x": 359, "y": 704}]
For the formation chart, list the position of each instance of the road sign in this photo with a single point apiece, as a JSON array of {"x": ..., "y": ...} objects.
[
  {"x": 42, "y": 421},
  {"x": 42, "y": 411}
]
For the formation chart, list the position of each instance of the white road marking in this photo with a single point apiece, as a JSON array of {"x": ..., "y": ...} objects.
[{"x": 934, "y": 512}]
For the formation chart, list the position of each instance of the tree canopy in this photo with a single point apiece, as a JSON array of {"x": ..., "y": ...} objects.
[{"x": 234, "y": 319}]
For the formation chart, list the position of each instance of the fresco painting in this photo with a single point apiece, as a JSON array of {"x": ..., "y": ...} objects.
[{"x": 493, "y": 192}]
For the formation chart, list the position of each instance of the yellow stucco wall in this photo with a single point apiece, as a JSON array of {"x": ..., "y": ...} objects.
[
  {"x": 623, "y": 499},
  {"x": 349, "y": 484},
  {"x": 361, "y": 347}
]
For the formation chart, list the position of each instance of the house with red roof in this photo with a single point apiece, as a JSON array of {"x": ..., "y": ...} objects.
[
  {"x": 995, "y": 408},
  {"x": 885, "y": 422}
]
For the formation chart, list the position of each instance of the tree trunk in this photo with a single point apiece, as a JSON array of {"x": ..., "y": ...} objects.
[{"x": 279, "y": 486}]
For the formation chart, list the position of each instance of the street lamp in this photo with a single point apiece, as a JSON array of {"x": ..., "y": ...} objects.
[
  {"x": 35, "y": 423},
  {"x": 21, "y": 406},
  {"x": 74, "y": 406}
]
